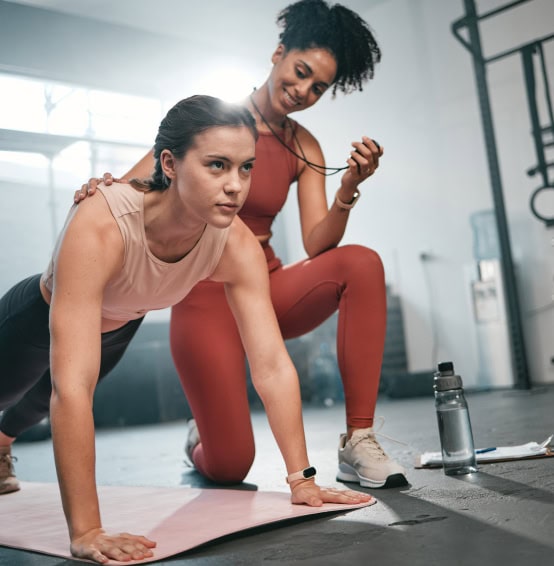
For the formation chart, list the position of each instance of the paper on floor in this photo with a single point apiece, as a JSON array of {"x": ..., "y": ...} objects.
[{"x": 531, "y": 449}]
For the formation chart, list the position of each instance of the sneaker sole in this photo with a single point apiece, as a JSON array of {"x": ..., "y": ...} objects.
[
  {"x": 9, "y": 488},
  {"x": 394, "y": 480}
]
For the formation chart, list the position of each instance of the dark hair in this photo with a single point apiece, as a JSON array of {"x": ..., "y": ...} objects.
[
  {"x": 183, "y": 122},
  {"x": 309, "y": 24}
]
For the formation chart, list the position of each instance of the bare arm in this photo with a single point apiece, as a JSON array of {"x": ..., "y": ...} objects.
[
  {"x": 243, "y": 269},
  {"x": 324, "y": 227},
  {"x": 91, "y": 252}
]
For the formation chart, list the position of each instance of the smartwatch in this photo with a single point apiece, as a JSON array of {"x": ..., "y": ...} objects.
[
  {"x": 304, "y": 474},
  {"x": 347, "y": 205}
]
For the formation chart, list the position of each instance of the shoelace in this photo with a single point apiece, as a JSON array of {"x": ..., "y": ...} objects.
[
  {"x": 381, "y": 424},
  {"x": 370, "y": 438},
  {"x": 370, "y": 444}
]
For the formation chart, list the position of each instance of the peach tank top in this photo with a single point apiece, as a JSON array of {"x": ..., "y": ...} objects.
[{"x": 146, "y": 282}]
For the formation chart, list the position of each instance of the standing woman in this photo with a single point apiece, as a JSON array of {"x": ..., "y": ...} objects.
[
  {"x": 123, "y": 252},
  {"x": 321, "y": 48}
]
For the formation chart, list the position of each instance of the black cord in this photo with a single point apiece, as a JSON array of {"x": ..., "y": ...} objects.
[{"x": 321, "y": 169}]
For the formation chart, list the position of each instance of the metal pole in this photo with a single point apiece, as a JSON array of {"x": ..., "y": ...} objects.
[{"x": 519, "y": 357}]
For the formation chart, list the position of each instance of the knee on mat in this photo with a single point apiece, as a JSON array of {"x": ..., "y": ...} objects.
[{"x": 232, "y": 469}]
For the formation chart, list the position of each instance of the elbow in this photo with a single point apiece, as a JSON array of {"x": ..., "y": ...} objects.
[
  {"x": 68, "y": 396},
  {"x": 269, "y": 384},
  {"x": 262, "y": 383},
  {"x": 313, "y": 252}
]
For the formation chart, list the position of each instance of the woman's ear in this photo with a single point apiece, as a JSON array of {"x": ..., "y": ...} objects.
[
  {"x": 167, "y": 162},
  {"x": 278, "y": 54}
]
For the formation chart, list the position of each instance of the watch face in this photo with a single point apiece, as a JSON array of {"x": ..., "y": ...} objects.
[{"x": 309, "y": 472}]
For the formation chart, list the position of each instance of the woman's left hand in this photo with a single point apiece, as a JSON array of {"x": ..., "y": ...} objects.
[
  {"x": 363, "y": 160},
  {"x": 307, "y": 492}
]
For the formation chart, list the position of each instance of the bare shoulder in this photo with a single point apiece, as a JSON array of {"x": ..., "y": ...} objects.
[
  {"x": 92, "y": 235},
  {"x": 242, "y": 255},
  {"x": 303, "y": 135},
  {"x": 93, "y": 215}
]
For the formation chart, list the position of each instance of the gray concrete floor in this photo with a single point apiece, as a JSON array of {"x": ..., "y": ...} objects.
[{"x": 504, "y": 514}]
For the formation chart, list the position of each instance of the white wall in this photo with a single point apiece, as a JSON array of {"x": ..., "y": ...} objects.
[{"x": 422, "y": 107}]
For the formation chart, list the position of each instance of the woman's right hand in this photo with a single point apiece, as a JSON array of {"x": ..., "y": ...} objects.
[
  {"x": 98, "y": 546},
  {"x": 90, "y": 187},
  {"x": 307, "y": 492}
]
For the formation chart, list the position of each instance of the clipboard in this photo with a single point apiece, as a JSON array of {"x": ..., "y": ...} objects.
[{"x": 529, "y": 451}]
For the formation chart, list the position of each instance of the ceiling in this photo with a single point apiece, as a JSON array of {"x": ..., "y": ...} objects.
[
  {"x": 247, "y": 22},
  {"x": 212, "y": 46}
]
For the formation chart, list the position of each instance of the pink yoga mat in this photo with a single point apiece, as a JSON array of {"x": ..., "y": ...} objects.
[{"x": 178, "y": 518}]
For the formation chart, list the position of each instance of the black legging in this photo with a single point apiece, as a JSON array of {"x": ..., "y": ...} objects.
[{"x": 25, "y": 385}]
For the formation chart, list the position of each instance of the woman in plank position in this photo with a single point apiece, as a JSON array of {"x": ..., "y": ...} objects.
[{"x": 125, "y": 251}]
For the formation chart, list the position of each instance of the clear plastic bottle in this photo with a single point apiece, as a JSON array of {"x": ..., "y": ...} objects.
[{"x": 458, "y": 452}]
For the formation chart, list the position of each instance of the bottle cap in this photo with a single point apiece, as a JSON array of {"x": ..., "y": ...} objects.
[
  {"x": 446, "y": 379},
  {"x": 446, "y": 366}
]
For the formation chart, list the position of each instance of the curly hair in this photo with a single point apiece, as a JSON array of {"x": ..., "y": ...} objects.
[
  {"x": 309, "y": 24},
  {"x": 183, "y": 122}
]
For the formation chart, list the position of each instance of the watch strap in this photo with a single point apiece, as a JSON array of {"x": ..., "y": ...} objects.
[
  {"x": 304, "y": 474},
  {"x": 347, "y": 205}
]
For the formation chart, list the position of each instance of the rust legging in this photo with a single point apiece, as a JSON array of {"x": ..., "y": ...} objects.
[{"x": 210, "y": 360}]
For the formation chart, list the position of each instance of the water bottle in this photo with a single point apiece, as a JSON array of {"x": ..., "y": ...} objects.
[{"x": 458, "y": 452}]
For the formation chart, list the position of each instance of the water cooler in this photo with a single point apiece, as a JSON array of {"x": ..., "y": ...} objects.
[{"x": 495, "y": 369}]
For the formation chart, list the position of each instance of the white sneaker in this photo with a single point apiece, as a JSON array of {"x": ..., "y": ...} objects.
[
  {"x": 193, "y": 439},
  {"x": 362, "y": 460}
]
